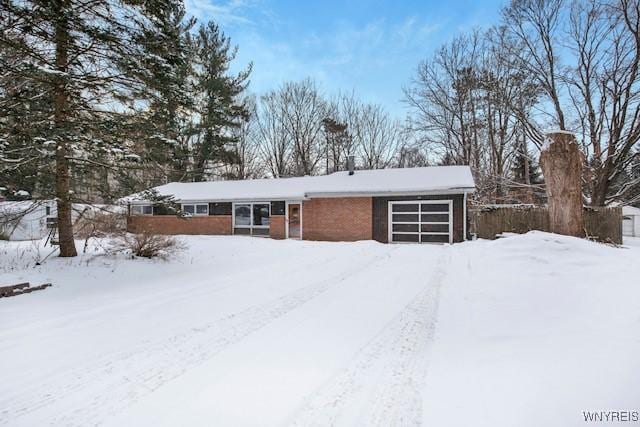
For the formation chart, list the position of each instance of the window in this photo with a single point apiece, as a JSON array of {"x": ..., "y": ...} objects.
[
  {"x": 278, "y": 207},
  {"x": 242, "y": 215},
  {"x": 251, "y": 218},
  {"x": 141, "y": 209},
  {"x": 202, "y": 209},
  {"x": 196, "y": 209},
  {"x": 220, "y": 208},
  {"x": 261, "y": 214}
]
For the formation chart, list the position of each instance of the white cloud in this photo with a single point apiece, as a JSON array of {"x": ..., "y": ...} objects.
[
  {"x": 229, "y": 13},
  {"x": 374, "y": 59}
]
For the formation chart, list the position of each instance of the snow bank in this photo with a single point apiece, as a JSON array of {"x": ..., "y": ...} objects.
[
  {"x": 534, "y": 329},
  {"x": 523, "y": 331}
]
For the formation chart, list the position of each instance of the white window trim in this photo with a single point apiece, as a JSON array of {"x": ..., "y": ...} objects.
[
  {"x": 195, "y": 210},
  {"x": 250, "y": 226},
  {"x": 390, "y": 223}
]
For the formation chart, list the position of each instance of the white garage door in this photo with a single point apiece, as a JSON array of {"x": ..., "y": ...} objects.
[{"x": 421, "y": 221}]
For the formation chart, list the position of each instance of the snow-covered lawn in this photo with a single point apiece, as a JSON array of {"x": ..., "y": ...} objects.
[{"x": 526, "y": 330}]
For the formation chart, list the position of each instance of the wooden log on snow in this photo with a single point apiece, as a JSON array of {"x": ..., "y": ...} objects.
[
  {"x": 10, "y": 289},
  {"x": 21, "y": 288},
  {"x": 35, "y": 288}
]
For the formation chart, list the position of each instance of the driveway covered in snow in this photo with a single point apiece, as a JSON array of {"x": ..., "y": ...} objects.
[{"x": 243, "y": 331}]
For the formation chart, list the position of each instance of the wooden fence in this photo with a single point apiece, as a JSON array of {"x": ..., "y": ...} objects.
[{"x": 602, "y": 224}]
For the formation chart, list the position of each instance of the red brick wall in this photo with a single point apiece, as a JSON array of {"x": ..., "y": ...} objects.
[
  {"x": 337, "y": 219},
  {"x": 277, "y": 227},
  {"x": 169, "y": 224}
]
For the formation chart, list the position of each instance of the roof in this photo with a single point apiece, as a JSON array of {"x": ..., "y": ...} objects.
[
  {"x": 433, "y": 179},
  {"x": 22, "y": 206},
  {"x": 630, "y": 210}
]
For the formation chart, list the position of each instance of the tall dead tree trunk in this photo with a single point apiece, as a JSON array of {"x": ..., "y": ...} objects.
[
  {"x": 561, "y": 163},
  {"x": 61, "y": 117}
]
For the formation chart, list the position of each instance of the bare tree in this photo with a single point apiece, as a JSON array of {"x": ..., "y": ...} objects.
[
  {"x": 275, "y": 145},
  {"x": 596, "y": 94},
  {"x": 536, "y": 25},
  {"x": 507, "y": 94},
  {"x": 373, "y": 135},
  {"x": 376, "y": 135},
  {"x": 444, "y": 102},
  {"x": 303, "y": 108},
  {"x": 411, "y": 152},
  {"x": 291, "y": 128},
  {"x": 463, "y": 106},
  {"x": 248, "y": 164},
  {"x": 300, "y": 130}
]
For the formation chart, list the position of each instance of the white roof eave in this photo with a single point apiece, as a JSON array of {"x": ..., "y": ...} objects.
[
  {"x": 445, "y": 191},
  {"x": 336, "y": 194}
]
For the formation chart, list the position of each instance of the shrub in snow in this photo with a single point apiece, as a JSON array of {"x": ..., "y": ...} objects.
[
  {"x": 99, "y": 223},
  {"x": 148, "y": 245}
]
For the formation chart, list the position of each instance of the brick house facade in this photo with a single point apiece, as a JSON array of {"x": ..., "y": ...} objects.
[
  {"x": 338, "y": 219},
  {"x": 317, "y": 208}
]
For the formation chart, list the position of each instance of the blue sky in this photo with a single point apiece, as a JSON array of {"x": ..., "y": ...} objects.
[{"x": 369, "y": 47}]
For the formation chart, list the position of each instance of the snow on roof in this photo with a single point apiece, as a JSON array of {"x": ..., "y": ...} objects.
[
  {"x": 630, "y": 210},
  {"x": 23, "y": 206},
  {"x": 380, "y": 181}
]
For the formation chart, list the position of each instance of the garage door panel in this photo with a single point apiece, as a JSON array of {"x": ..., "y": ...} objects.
[
  {"x": 433, "y": 207},
  {"x": 439, "y": 228},
  {"x": 405, "y": 218},
  {"x": 406, "y": 238},
  {"x": 413, "y": 207},
  {"x": 435, "y": 238},
  {"x": 435, "y": 217},
  {"x": 406, "y": 227}
]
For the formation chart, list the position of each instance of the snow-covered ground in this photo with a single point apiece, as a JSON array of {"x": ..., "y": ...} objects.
[{"x": 526, "y": 330}]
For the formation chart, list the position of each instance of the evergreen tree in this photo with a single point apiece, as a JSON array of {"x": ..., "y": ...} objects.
[
  {"x": 526, "y": 175},
  {"x": 220, "y": 106},
  {"x": 524, "y": 165},
  {"x": 86, "y": 59},
  {"x": 164, "y": 124},
  {"x": 336, "y": 139},
  {"x": 26, "y": 158}
]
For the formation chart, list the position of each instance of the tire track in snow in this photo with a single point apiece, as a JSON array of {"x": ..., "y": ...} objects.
[
  {"x": 382, "y": 385},
  {"x": 134, "y": 374},
  {"x": 159, "y": 297}
]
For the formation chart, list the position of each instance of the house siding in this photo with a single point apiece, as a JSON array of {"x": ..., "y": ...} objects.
[
  {"x": 380, "y": 214},
  {"x": 171, "y": 224},
  {"x": 277, "y": 227},
  {"x": 328, "y": 219},
  {"x": 337, "y": 219}
]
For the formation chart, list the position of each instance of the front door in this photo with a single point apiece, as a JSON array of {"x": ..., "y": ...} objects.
[{"x": 294, "y": 221}]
